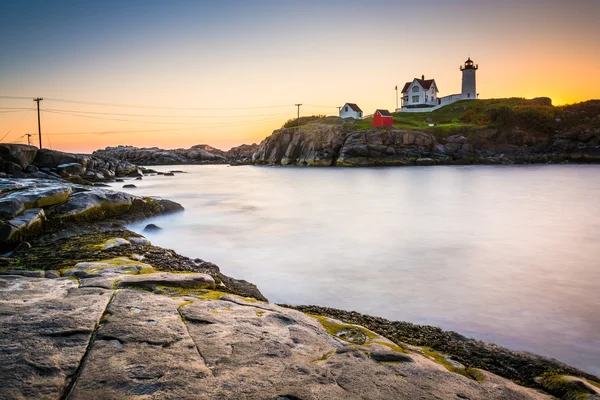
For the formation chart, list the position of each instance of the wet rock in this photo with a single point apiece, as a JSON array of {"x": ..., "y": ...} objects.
[
  {"x": 70, "y": 169},
  {"x": 27, "y": 224},
  {"x": 169, "y": 174},
  {"x": 107, "y": 268},
  {"x": 139, "y": 241},
  {"x": 129, "y": 186},
  {"x": 33, "y": 197},
  {"x": 119, "y": 180},
  {"x": 31, "y": 169},
  {"x": 139, "y": 178},
  {"x": 152, "y": 228},
  {"x": 166, "y": 279},
  {"x": 425, "y": 161},
  {"x": 96, "y": 204},
  {"x": 115, "y": 242}
]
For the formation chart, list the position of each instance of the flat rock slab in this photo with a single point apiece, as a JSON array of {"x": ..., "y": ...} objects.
[
  {"x": 167, "y": 279},
  {"x": 112, "y": 268},
  {"x": 45, "y": 327},
  {"x": 183, "y": 343}
]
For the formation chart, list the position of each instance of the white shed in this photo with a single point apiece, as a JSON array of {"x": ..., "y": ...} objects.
[{"x": 351, "y": 110}]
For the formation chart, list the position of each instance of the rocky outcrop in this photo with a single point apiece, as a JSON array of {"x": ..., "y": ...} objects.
[
  {"x": 175, "y": 337},
  {"x": 241, "y": 154},
  {"x": 339, "y": 144},
  {"x": 27, "y": 161},
  {"x": 198, "y": 154},
  {"x": 26, "y": 206},
  {"x": 321, "y": 144}
]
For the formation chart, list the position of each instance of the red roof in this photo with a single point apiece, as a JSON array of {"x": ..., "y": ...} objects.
[
  {"x": 354, "y": 107},
  {"x": 383, "y": 113},
  {"x": 425, "y": 84}
]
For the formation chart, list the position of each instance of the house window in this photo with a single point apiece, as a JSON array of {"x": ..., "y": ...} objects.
[
  {"x": 345, "y": 109},
  {"x": 468, "y": 94},
  {"x": 415, "y": 89},
  {"x": 359, "y": 115},
  {"x": 415, "y": 99}
]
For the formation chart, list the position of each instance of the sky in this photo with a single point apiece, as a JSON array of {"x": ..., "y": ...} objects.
[{"x": 178, "y": 73}]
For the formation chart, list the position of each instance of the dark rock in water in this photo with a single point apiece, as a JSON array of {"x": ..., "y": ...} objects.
[
  {"x": 129, "y": 186},
  {"x": 169, "y": 174},
  {"x": 178, "y": 172},
  {"x": 160, "y": 173},
  {"x": 425, "y": 161},
  {"x": 119, "y": 180},
  {"x": 152, "y": 228},
  {"x": 169, "y": 206},
  {"x": 139, "y": 178},
  {"x": 70, "y": 169},
  {"x": 30, "y": 169}
]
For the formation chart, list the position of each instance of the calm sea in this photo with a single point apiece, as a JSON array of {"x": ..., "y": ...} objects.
[{"x": 506, "y": 254}]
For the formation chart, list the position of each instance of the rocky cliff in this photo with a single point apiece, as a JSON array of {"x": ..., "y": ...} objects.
[{"x": 529, "y": 132}]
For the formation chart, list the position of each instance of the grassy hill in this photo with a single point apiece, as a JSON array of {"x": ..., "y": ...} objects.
[{"x": 536, "y": 116}]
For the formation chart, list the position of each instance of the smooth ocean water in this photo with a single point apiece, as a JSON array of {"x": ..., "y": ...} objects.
[{"x": 506, "y": 254}]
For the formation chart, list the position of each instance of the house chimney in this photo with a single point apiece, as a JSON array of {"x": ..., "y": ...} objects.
[{"x": 423, "y": 77}]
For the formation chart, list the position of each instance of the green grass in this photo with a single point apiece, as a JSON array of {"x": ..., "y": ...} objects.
[
  {"x": 562, "y": 388},
  {"x": 469, "y": 115}
]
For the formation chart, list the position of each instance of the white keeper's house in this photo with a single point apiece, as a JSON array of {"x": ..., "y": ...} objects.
[
  {"x": 351, "y": 110},
  {"x": 421, "y": 95}
]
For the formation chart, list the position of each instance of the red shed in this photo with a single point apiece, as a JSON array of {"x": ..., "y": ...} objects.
[{"x": 382, "y": 118}]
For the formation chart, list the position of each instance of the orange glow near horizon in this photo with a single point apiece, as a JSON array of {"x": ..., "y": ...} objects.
[{"x": 249, "y": 56}]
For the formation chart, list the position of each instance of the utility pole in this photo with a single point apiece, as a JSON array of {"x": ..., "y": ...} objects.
[
  {"x": 298, "y": 118},
  {"x": 396, "y": 98},
  {"x": 339, "y": 109},
  {"x": 28, "y": 138},
  {"x": 37, "y": 100}
]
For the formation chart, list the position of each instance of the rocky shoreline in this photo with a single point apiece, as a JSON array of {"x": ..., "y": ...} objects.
[
  {"x": 91, "y": 309},
  {"x": 495, "y": 131}
]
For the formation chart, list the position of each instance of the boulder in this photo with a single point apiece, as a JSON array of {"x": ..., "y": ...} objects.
[
  {"x": 28, "y": 223},
  {"x": 21, "y": 154},
  {"x": 53, "y": 158},
  {"x": 70, "y": 169},
  {"x": 34, "y": 197},
  {"x": 10, "y": 167},
  {"x": 152, "y": 228},
  {"x": 425, "y": 161},
  {"x": 93, "y": 205}
]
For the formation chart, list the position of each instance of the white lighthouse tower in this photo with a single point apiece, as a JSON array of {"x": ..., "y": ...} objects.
[{"x": 469, "y": 86}]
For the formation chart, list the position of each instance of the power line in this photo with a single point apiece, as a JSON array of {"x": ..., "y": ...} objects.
[
  {"x": 162, "y": 107},
  {"x": 159, "y": 116},
  {"x": 20, "y": 119},
  {"x": 162, "y": 130},
  {"x": 151, "y": 122}
]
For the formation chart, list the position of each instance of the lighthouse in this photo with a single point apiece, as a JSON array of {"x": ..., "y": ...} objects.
[{"x": 469, "y": 88}]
